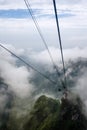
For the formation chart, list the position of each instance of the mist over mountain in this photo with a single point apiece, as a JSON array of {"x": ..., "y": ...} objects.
[{"x": 20, "y": 86}]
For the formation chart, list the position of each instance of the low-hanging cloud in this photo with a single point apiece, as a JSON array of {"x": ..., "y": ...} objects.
[
  {"x": 17, "y": 78},
  {"x": 81, "y": 89},
  {"x": 69, "y": 54}
]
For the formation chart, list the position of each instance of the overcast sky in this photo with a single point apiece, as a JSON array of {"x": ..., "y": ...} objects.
[{"x": 18, "y": 29}]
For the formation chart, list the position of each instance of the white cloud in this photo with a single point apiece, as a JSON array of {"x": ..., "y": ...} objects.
[
  {"x": 11, "y": 4},
  {"x": 81, "y": 88},
  {"x": 17, "y": 78},
  {"x": 41, "y": 4},
  {"x": 69, "y": 54}
]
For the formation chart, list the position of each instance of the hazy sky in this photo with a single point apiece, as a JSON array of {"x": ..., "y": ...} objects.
[{"x": 18, "y": 29}]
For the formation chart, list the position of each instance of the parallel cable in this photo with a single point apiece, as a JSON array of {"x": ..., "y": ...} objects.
[
  {"x": 40, "y": 33},
  {"x": 60, "y": 43},
  {"x": 27, "y": 64}
]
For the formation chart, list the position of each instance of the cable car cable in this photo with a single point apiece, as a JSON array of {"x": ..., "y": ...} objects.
[{"x": 60, "y": 43}]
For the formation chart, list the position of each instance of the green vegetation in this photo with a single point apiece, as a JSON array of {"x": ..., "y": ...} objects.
[
  {"x": 49, "y": 114},
  {"x": 43, "y": 114}
]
